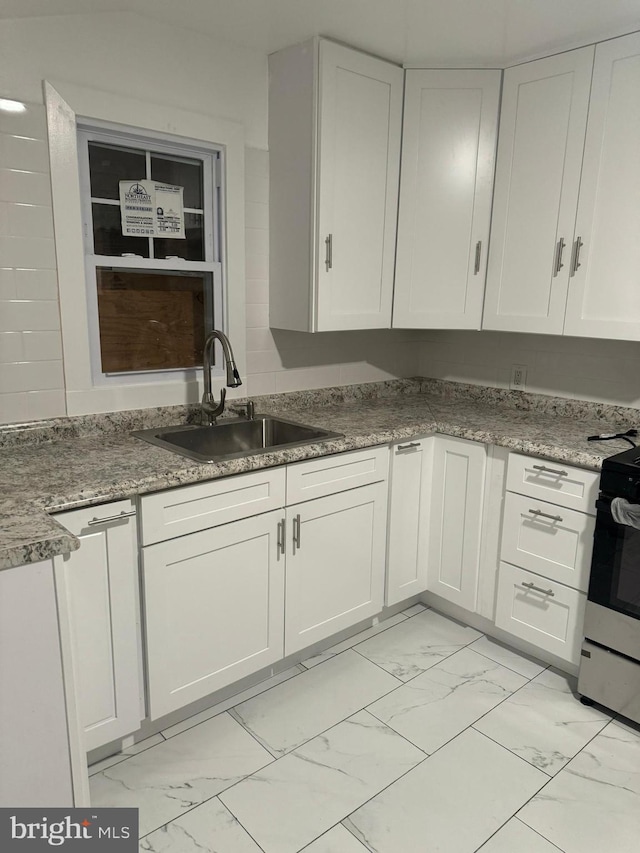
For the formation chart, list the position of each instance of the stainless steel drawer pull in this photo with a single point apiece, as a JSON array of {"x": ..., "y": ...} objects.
[
  {"x": 328, "y": 251},
  {"x": 296, "y": 532},
  {"x": 110, "y": 518},
  {"x": 538, "y": 589},
  {"x": 560, "y": 473},
  {"x": 281, "y": 537},
  {"x": 408, "y": 446},
  {"x": 558, "y": 265},
  {"x": 539, "y": 514},
  {"x": 476, "y": 266}
]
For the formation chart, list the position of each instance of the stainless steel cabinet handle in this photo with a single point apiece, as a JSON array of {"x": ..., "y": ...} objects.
[
  {"x": 328, "y": 251},
  {"x": 108, "y": 518},
  {"x": 408, "y": 446},
  {"x": 296, "y": 532},
  {"x": 476, "y": 266},
  {"x": 540, "y": 514},
  {"x": 281, "y": 537},
  {"x": 575, "y": 265},
  {"x": 558, "y": 265},
  {"x": 558, "y": 471},
  {"x": 538, "y": 589}
]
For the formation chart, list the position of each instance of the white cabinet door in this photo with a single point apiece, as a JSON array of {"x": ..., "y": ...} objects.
[
  {"x": 409, "y": 503},
  {"x": 604, "y": 293},
  {"x": 456, "y": 520},
  {"x": 101, "y": 589},
  {"x": 335, "y": 118},
  {"x": 359, "y": 162},
  {"x": 448, "y": 154},
  {"x": 335, "y": 563},
  {"x": 213, "y": 608},
  {"x": 541, "y": 141}
]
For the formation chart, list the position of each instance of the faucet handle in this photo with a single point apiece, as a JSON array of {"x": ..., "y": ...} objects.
[{"x": 248, "y": 410}]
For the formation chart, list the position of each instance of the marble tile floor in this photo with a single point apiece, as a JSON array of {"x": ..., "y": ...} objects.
[{"x": 419, "y": 735}]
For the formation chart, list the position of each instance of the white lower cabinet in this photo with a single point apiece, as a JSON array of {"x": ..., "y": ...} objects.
[
  {"x": 100, "y": 588},
  {"x": 546, "y": 554},
  {"x": 335, "y": 563},
  {"x": 409, "y": 505},
  {"x": 213, "y": 609},
  {"x": 456, "y": 520},
  {"x": 545, "y": 613}
]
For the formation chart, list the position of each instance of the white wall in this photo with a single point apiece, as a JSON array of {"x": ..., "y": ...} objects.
[{"x": 602, "y": 371}]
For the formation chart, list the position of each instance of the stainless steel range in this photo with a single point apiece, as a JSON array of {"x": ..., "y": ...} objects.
[{"x": 610, "y": 661}]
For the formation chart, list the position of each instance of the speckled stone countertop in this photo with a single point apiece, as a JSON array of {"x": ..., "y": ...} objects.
[{"x": 51, "y": 466}]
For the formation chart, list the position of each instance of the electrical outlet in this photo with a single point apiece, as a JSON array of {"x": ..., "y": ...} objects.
[{"x": 518, "y": 377}]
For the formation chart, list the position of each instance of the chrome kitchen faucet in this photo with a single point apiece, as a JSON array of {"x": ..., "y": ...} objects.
[{"x": 210, "y": 409}]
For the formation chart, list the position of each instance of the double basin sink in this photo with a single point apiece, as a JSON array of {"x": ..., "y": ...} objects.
[{"x": 232, "y": 439}]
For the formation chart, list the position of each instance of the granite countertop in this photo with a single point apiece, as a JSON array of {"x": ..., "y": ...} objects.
[{"x": 48, "y": 467}]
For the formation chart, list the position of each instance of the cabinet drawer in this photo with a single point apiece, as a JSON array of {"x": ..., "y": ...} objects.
[
  {"x": 556, "y": 482},
  {"x": 547, "y": 539},
  {"x": 176, "y": 512},
  {"x": 545, "y": 613},
  {"x": 316, "y": 478}
]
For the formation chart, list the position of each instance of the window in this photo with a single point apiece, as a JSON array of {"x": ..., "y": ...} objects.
[{"x": 152, "y": 298}]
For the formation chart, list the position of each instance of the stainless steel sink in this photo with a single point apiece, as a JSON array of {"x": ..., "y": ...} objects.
[{"x": 234, "y": 438}]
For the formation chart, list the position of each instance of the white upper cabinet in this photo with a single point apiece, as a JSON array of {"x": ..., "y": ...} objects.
[
  {"x": 448, "y": 155},
  {"x": 604, "y": 293},
  {"x": 334, "y": 140},
  {"x": 541, "y": 141}
]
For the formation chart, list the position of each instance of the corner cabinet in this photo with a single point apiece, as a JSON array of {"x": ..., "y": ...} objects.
[
  {"x": 541, "y": 140},
  {"x": 335, "y": 119},
  {"x": 100, "y": 591},
  {"x": 448, "y": 155}
]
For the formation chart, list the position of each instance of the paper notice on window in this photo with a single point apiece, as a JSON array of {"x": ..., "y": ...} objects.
[
  {"x": 151, "y": 209},
  {"x": 169, "y": 211}
]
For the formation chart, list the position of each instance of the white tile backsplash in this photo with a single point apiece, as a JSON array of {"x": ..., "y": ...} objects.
[{"x": 31, "y": 370}]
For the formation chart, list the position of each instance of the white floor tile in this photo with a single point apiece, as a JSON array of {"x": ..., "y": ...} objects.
[
  {"x": 417, "y": 644},
  {"x": 593, "y": 804},
  {"x": 169, "y": 779},
  {"x": 352, "y": 641},
  {"x": 516, "y": 837},
  {"x": 452, "y": 802},
  {"x": 439, "y": 704},
  {"x": 544, "y": 722},
  {"x": 294, "y": 712},
  {"x": 297, "y": 798},
  {"x": 220, "y": 707},
  {"x": 209, "y": 828},
  {"x": 517, "y": 661},
  {"x": 337, "y": 840},
  {"x": 135, "y": 749}
]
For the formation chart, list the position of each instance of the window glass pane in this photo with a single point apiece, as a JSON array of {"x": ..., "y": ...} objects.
[
  {"x": 107, "y": 233},
  {"x": 192, "y": 248},
  {"x": 182, "y": 173},
  {"x": 109, "y": 165},
  {"x": 150, "y": 320}
]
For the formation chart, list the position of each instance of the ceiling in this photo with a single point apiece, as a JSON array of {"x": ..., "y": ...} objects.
[{"x": 414, "y": 32}]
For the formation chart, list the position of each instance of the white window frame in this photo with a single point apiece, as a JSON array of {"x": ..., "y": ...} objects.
[
  {"x": 68, "y": 106},
  {"x": 212, "y": 158}
]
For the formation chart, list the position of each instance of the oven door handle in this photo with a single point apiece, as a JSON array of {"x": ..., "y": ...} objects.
[{"x": 604, "y": 504}]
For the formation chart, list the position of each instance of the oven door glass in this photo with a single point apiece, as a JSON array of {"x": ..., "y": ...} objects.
[{"x": 615, "y": 568}]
